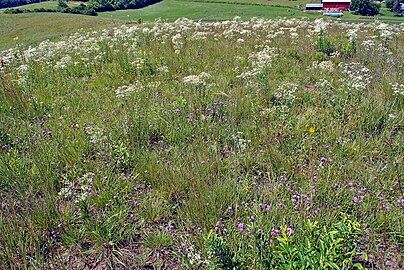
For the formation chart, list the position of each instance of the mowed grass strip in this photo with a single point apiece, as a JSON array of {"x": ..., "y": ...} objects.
[{"x": 209, "y": 11}]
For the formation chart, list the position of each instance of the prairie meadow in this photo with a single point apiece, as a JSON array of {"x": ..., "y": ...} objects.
[{"x": 259, "y": 144}]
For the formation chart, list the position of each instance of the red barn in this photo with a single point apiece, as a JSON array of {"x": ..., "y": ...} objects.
[{"x": 341, "y": 5}]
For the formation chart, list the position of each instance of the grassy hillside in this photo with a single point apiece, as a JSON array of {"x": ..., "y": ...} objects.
[
  {"x": 204, "y": 145},
  {"x": 46, "y": 4},
  {"x": 174, "y": 9},
  {"x": 223, "y": 10},
  {"x": 285, "y": 3},
  {"x": 34, "y": 28}
]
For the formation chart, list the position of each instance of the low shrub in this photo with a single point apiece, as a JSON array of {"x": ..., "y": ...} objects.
[
  {"x": 329, "y": 46},
  {"x": 390, "y": 4},
  {"x": 365, "y": 7}
]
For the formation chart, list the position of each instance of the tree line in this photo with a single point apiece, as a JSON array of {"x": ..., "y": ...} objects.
[
  {"x": 15, "y": 3},
  {"x": 371, "y": 7}
]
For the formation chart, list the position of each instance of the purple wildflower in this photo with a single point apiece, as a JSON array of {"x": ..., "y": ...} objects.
[
  {"x": 282, "y": 178},
  {"x": 219, "y": 225},
  {"x": 240, "y": 226},
  {"x": 336, "y": 186},
  {"x": 275, "y": 233},
  {"x": 314, "y": 176},
  {"x": 265, "y": 207},
  {"x": 307, "y": 200},
  {"x": 47, "y": 133},
  {"x": 295, "y": 198},
  {"x": 386, "y": 206},
  {"x": 357, "y": 198},
  {"x": 184, "y": 248},
  {"x": 169, "y": 227},
  {"x": 230, "y": 210},
  {"x": 289, "y": 231}
]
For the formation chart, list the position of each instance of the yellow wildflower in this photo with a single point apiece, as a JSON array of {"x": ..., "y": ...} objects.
[{"x": 312, "y": 130}]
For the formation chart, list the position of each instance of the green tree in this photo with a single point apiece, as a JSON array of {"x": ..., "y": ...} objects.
[
  {"x": 365, "y": 7},
  {"x": 62, "y": 4},
  {"x": 390, "y": 4}
]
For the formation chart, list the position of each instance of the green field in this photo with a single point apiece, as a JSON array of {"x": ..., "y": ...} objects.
[
  {"x": 285, "y": 3},
  {"x": 173, "y": 9},
  {"x": 32, "y": 28},
  {"x": 45, "y": 4},
  {"x": 219, "y": 10}
]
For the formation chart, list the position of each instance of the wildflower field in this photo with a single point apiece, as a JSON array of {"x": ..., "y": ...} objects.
[{"x": 260, "y": 144}]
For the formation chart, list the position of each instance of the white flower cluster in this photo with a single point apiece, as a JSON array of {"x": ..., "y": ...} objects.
[
  {"x": 178, "y": 42},
  {"x": 320, "y": 25},
  {"x": 90, "y": 45},
  {"x": 285, "y": 96},
  {"x": 78, "y": 190},
  {"x": 22, "y": 71},
  {"x": 323, "y": 65},
  {"x": 323, "y": 84},
  {"x": 97, "y": 135},
  {"x": 398, "y": 89},
  {"x": 63, "y": 62},
  {"x": 241, "y": 144},
  {"x": 368, "y": 44},
  {"x": 358, "y": 77},
  {"x": 200, "y": 80},
  {"x": 293, "y": 33},
  {"x": 127, "y": 90},
  {"x": 193, "y": 257},
  {"x": 163, "y": 69},
  {"x": 352, "y": 34},
  {"x": 385, "y": 31},
  {"x": 138, "y": 63},
  {"x": 259, "y": 61}
]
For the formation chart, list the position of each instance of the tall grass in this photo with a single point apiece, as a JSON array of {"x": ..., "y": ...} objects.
[{"x": 124, "y": 148}]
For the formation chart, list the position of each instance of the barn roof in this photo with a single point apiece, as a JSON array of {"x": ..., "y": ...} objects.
[
  {"x": 311, "y": 5},
  {"x": 336, "y": 1}
]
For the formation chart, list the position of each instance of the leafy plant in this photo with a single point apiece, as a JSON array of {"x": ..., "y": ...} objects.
[
  {"x": 325, "y": 45},
  {"x": 321, "y": 247},
  {"x": 219, "y": 253},
  {"x": 62, "y": 4}
]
